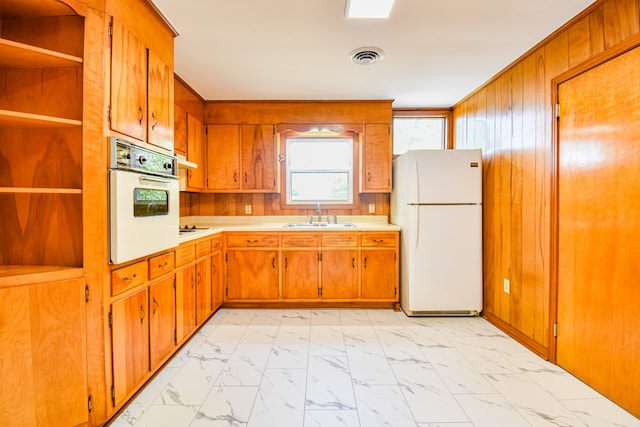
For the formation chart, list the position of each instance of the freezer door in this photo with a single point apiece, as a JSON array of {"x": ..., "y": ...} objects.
[
  {"x": 443, "y": 269},
  {"x": 444, "y": 176}
]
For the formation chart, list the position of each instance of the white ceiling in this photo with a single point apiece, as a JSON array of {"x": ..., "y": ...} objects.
[{"x": 436, "y": 51}]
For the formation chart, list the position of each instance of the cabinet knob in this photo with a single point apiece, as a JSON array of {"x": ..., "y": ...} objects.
[{"x": 155, "y": 121}]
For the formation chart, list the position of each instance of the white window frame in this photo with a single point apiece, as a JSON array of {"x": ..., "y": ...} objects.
[{"x": 444, "y": 114}]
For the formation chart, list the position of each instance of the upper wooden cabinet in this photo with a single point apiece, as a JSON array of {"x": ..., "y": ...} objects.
[
  {"x": 375, "y": 159},
  {"x": 179, "y": 130},
  {"x": 195, "y": 154},
  {"x": 128, "y": 108},
  {"x": 241, "y": 158},
  {"x": 159, "y": 123},
  {"x": 141, "y": 90}
]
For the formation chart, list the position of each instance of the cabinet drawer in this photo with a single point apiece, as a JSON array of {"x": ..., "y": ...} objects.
[
  {"x": 299, "y": 240},
  {"x": 203, "y": 248},
  {"x": 381, "y": 239},
  {"x": 185, "y": 255},
  {"x": 339, "y": 239},
  {"x": 216, "y": 242},
  {"x": 253, "y": 240},
  {"x": 161, "y": 264},
  {"x": 128, "y": 277}
]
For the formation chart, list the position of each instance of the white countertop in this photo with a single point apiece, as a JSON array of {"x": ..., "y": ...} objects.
[{"x": 210, "y": 225}]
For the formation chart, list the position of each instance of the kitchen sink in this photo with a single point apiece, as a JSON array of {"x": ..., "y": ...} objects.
[{"x": 319, "y": 225}]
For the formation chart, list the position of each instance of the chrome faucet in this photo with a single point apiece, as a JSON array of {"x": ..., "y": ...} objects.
[{"x": 319, "y": 213}]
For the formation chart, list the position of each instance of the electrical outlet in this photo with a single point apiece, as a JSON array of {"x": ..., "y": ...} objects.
[
  {"x": 247, "y": 209},
  {"x": 372, "y": 208},
  {"x": 507, "y": 286}
]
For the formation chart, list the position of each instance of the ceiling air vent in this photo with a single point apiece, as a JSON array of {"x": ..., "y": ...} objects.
[{"x": 366, "y": 55}]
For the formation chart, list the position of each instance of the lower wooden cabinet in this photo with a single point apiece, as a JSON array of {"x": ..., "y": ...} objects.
[
  {"x": 203, "y": 290},
  {"x": 130, "y": 343},
  {"x": 162, "y": 321},
  {"x": 252, "y": 274},
  {"x": 217, "y": 276},
  {"x": 43, "y": 354},
  {"x": 378, "y": 272},
  {"x": 339, "y": 273},
  {"x": 185, "y": 302},
  {"x": 300, "y": 274}
]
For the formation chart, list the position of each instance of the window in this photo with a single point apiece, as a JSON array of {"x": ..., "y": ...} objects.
[
  {"x": 319, "y": 170},
  {"x": 417, "y": 130}
]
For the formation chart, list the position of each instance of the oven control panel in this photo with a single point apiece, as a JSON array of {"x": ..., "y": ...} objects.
[{"x": 125, "y": 155}]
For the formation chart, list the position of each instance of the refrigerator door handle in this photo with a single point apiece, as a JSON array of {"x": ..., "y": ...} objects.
[{"x": 417, "y": 233}]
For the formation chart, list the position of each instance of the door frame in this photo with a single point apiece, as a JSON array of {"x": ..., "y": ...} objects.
[{"x": 607, "y": 55}]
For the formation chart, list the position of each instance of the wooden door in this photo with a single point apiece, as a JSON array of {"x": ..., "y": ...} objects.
[
  {"x": 376, "y": 159},
  {"x": 162, "y": 324},
  {"x": 130, "y": 343},
  {"x": 258, "y": 157},
  {"x": 300, "y": 274},
  {"x": 252, "y": 274},
  {"x": 195, "y": 154},
  {"x": 43, "y": 354},
  {"x": 185, "y": 302},
  {"x": 223, "y": 157},
  {"x": 203, "y": 290},
  {"x": 217, "y": 289},
  {"x": 379, "y": 274},
  {"x": 339, "y": 275},
  {"x": 128, "y": 83},
  {"x": 179, "y": 130},
  {"x": 160, "y": 125},
  {"x": 599, "y": 229}
]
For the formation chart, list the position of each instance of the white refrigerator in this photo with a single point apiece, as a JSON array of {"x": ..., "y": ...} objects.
[{"x": 437, "y": 202}]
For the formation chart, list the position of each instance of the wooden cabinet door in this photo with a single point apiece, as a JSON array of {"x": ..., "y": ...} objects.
[
  {"x": 217, "y": 289},
  {"x": 185, "y": 302},
  {"x": 195, "y": 153},
  {"x": 203, "y": 290},
  {"x": 43, "y": 349},
  {"x": 339, "y": 275},
  {"x": 300, "y": 274},
  {"x": 128, "y": 83},
  {"x": 162, "y": 324},
  {"x": 130, "y": 343},
  {"x": 259, "y": 162},
  {"x": 160, "y": 122},
  {"x": 376, "y": 159},
  {"x": 252, "y": 274},
  {"x": 223, "y": 157},
  {"x": 379, "y": 279},
  {"x": 179, "y": 130}
]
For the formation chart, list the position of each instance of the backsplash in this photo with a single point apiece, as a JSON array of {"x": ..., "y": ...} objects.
[{"x": 269, "y": 204}]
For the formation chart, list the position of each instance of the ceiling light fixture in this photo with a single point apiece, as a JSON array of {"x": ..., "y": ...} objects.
[{"x": 369, "y": 9}]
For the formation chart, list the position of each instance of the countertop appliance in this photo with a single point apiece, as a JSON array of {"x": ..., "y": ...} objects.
[
  {"x": 437, "y": 202},
  {"x": 144, "y": 202}
]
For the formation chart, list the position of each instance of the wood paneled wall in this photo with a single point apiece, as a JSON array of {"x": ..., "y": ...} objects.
[{"x": 510, "y": 118}]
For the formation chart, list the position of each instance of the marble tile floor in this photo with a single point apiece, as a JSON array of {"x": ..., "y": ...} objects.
[{"x": 331, "y": 368}]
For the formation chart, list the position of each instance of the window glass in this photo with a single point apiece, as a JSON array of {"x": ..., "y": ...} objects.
[
  {"x": 319, "y": 170},
  {"x": 417, "y": 133}
]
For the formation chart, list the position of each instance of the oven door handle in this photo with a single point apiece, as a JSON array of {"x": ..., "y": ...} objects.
[{"x": 156, "y": 179}]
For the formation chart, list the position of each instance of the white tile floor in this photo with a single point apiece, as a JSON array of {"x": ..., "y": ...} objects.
[{"x": 366, "y": 368}]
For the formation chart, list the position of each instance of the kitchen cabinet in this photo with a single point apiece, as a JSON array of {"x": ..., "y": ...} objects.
[
  {"x": 185, "y": 302},
  {"x": 217, "y": 284},
  {"x": 162, "y": 323},
  {"x": 43, "y": 380},
  {"x": 242, "y": 158},
  {"x": 376, "y": 159},
  {"x": 160, "y": 118},
  {"x": 179, "y": 130},
  {"x": 300, "y": 274},
  {"x": 141, "y": 90},
  {"x": 339, "y": 266},
  {"x": 128, "y": 108},
  {"x": 252, "y": 274},
  {"x": 203, "y": 290},
  {"x": 129, "y": 319},
  {"x": 195, "y": 154},
  {"x": 379, "y": 261}
]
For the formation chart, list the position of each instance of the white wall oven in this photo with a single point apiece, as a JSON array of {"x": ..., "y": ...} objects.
[{"x": 144, "y": 202}]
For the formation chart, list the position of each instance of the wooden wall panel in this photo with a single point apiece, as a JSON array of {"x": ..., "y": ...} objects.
[{"x": 516, "y": 110}]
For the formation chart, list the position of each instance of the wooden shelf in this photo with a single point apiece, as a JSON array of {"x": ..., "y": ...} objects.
[
  {"x": 30, "y": 190},
  {"x": 19, "y": 119},
  {"x": 21, "y": 275},
  {"x": 19, "y": 55}
]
